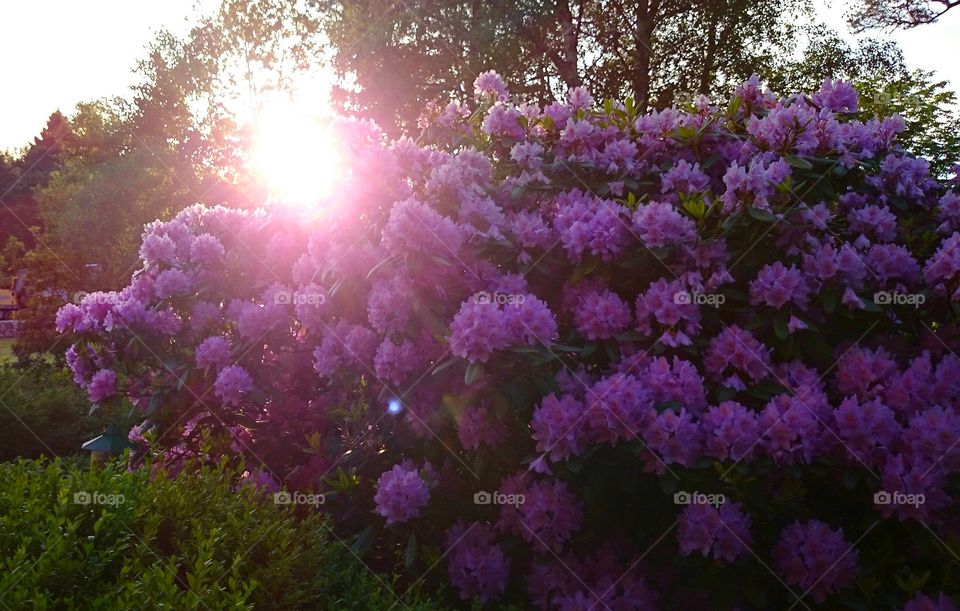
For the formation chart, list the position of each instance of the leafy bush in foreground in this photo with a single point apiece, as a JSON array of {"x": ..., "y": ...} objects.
[
  {"x": 111, "y": 539},
  {"x": 698, "y": 358}
]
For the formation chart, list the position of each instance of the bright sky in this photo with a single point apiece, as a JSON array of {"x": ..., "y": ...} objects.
[
  {"x": 934, "y": 46},
  {"x": 60, "y": 52},
  {"x": 56, "y": 53}
]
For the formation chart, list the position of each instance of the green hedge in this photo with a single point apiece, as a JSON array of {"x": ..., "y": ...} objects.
[
  {"x": 190, "y": 542},
  {"x": 43, "y": 413}
]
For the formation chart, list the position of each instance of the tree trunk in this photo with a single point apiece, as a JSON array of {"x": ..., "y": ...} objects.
[
  {"x": 567, "y": 64},
  {"x": 644, "y": 16}
]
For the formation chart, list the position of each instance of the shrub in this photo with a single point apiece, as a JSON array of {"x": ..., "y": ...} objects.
[
  {"x": 109, "y": 539},
  {"x": 537, "y": 346},
  {"x": 42, "y": 413}
]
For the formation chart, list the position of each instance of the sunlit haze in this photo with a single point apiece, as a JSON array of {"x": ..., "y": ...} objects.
[
  {"x": 296, "y": 154},
  {"x": 58, "y": 53}
]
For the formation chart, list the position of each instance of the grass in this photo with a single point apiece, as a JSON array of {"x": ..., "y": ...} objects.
[{"x": 6, "y": 351}]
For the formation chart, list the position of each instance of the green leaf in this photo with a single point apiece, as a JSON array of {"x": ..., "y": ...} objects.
[
  {"x": 780, "y": 320},
  {"x": 762, "y": 215},
  {"x": 799, "y": 162},
  {"x": 695, "y": 207},
  {"x": 444, "y": 365},
  {"x": 473, "y": 373},
  {"x": 410, "y": 554},
  {"x": 668, "y": 483}
]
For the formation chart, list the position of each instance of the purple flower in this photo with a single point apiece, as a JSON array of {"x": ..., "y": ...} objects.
[
  {"x": 910, "y": 391},
  {"x": 684, "y": 178},
  {"x": 864, "y": 373},
  {"x": 345, "y": 344},
  {"x": 922, "y": 602},
  {"x": 172, "y": 282},
  {"x": 233, "y": 382},
  {"x": 103, "y": 385},
  {"x": 489, "y": 85},
  {"x": 724, "y": 530},
  {"x": 589, "y": 225},
  {"x": 547, "y": 518},
  {"x": 206, "y": 250},
  {"x": 213, "y": 352},
  {"x": 731, "y": 431},
  {"x": 811, "y": 556},
  {"x": 559, "y": 427},
  {"x": 79, "y": 365},
  {"x": 874, "y": 221},
  {"x": 736, "y": 351},
  {"x": 204, "y": 315},
  {"x": 477, "y": 426},
  {"x": 70, "y": 317},
  {"x": 601, "y": 315},
  {"x": 946, "y": 384},
  {"x": 892, "y": 261},
  {"x": 912, "y": 491},
  {"x": 791, "y": 427},
  {"x": 579, "y": 98},
  {"x": 394, "y": 362},
  {"x": 932, "y": 438},
  {"x": 867, "y": 430},
  {"x": 158, "y": 249},
  {"x": 674, "y": 381},
  {"x": 945, "y": 263},
  {"x": 836, "y": 96},
  {"x": 311, "y": 304},
  {"x": 776, "y": 285},
  {"x": 478, "y": 330},
  {"x": 477, "y": 566},
  {"x": 255, "y": 321},
  {"x": 948, "y": 212},
  {"x": 416, "y": 227},
  {"x": 619, "y": 407},
  {"x": 752, "y": 185},
  {"x": 401, "y": 493},
  {"x": 530, "y": 321},
  {"x": 502, "y": 121},
  {"x": 659, "y": 224},
  {"x": 668, "y": 305},
  {"x": 673, "y": 437}
]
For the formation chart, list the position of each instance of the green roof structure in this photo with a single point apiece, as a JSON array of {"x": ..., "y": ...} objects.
[{"x": 112, "y": 440}]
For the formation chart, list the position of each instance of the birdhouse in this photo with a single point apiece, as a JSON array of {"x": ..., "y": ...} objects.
[{"x": 112, "y": 441}]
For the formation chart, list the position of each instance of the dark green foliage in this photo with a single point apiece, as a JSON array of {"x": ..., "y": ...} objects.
[
  {"x": 42, "y": 413},
  {"x": 153, "y": 542}
]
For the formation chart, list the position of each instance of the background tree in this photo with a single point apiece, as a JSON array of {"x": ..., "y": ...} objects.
[
  {"x": 881, "y": 14},
  {"x": 879, "y": 72},
  {"x": 401, "y": 55}
]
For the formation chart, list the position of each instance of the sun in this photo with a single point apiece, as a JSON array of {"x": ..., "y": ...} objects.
[{"x": 296, "y": 154}]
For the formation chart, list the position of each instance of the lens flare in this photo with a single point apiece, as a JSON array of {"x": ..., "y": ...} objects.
[{"x": 296, "y": 155}]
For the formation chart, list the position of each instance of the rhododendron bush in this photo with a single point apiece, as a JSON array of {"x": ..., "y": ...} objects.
[{"x": 578, "y": 357}]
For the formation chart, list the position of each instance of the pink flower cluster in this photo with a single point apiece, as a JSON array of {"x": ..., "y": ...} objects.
[{"x": 564, "y": 293}]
